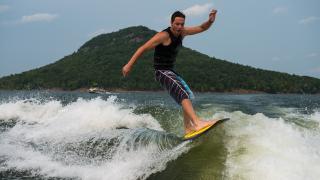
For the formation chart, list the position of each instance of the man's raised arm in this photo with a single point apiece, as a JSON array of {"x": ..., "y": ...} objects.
[{"x": 203, "y": 27}]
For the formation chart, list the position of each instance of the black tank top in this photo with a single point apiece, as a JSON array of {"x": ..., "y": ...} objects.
[{"x": 165, "y": 56}]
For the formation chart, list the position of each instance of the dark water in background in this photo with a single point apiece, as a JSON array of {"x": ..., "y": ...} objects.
[{"x": 72, "y": 135}]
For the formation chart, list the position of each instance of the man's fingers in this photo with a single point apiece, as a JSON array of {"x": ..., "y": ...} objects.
[
  {"x": 124, "y": 72},
  {"x": 213, "y": 11}
]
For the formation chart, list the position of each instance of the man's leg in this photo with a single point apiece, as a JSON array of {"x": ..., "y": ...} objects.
[
  {"x": 178, "y": 89},
  {"x": 191, "y": 121},
  {"x": 188, "y": 126}
]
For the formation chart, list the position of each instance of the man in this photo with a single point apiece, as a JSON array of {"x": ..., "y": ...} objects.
[{"x": 166, "y": 45}]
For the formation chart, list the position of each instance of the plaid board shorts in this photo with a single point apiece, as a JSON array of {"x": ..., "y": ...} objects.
[{"x": 174, "y": 84}]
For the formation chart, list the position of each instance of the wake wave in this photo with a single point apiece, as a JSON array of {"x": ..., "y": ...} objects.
[
  {"x": 104, "y": 139},
  {"x": 265, "y": 148},
  {"x": 89, "y": 139}
]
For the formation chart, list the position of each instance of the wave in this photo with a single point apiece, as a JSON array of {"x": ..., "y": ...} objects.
[
  {"x": 87, "y": 139},
  {"x": 104, "y": 139},
  {"x": 260, "y": 147}
]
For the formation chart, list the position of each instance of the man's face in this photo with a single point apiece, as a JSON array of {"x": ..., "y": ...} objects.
[{"x": 178, "y": 25}]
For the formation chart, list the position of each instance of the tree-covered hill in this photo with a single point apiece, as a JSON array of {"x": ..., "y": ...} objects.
[{"x": 99, "y": 61}]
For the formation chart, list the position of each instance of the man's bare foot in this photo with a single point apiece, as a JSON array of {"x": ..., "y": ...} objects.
[
  {"x": 199, "y": 125},
  {"x": 190, "y": 129},
  {"x": 187, "y": 130}
]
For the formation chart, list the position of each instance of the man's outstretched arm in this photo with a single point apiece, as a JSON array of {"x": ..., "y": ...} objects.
[
  {"x": 203, "y": 27},
  {"x": 152, "y": 43}
]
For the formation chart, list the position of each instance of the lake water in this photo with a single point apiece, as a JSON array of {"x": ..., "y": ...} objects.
[{"x": 73, "y": 135}]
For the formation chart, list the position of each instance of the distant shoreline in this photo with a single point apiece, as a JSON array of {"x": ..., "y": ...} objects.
[
  {"x": 86, "y": 90},
  {"x": 119, "y": 90}
]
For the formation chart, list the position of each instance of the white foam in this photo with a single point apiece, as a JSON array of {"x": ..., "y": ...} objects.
[
  {"x": 127, "y": 165},
  {"x": 316, "y": 117},
  {"x": 264, "y": 148},
  {"x": 51, "y": 126},
  {"x": 52, "y": 119},
  {"x": 29, "y": 110}
]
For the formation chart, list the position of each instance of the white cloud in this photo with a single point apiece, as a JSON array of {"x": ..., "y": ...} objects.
[
  {"x": 312, "y": 55},
  {"x": 280, "y": 10},
  {"x": 38, "y": 18},
  {"x": 3, "y": 8},
  {"x": 198, "y": 10},
  {"x": 308, "y": 20}
]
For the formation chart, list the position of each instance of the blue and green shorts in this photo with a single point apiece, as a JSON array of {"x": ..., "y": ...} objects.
[{"x": 174, "y": 84}]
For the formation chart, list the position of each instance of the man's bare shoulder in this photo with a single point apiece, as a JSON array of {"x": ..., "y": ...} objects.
[{"x": 162, "y": 35}]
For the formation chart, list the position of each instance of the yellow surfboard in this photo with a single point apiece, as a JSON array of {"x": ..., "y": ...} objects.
[{"x": 200, "y": 132}]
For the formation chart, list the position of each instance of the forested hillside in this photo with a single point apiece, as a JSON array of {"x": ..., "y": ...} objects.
[{"x": 99, "y": 61}]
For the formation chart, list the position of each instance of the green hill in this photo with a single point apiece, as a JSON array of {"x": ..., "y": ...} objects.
[{"x": 99, "y": 61}]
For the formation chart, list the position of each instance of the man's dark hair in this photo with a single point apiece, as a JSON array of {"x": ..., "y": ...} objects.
[{"x": 177, "y": 14}]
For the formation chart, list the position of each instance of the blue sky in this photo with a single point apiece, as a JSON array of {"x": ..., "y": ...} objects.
[{"x": 279, "y": 35}]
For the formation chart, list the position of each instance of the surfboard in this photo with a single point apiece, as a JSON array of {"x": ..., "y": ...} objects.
[{"x": 196, "y": 134}]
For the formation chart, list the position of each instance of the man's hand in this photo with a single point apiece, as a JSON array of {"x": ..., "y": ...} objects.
[
  {"x": 125, "y": 70},
  {"x": 212, "y": 15}
]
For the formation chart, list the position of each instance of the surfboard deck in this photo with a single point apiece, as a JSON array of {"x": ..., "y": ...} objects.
[{"x": 196, "y": 134}]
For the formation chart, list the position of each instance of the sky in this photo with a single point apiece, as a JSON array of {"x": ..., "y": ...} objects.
[{"x": 278, "y": 35}]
